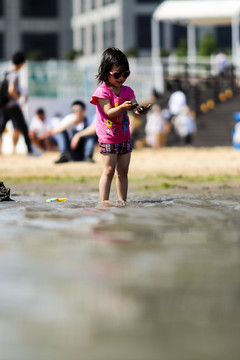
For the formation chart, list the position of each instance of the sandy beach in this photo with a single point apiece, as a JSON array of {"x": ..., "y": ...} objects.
[
  {"x": 145, "y": 162},
  {"x": 196, "y": 165}
]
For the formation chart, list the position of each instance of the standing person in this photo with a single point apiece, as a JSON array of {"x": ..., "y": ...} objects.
[
  {"x": 222, "y": 62},
  {"x": 113, "y": 100},
  {"x": 177, "y": 99},
  {"x": 12, "y": 109},
  {"x": 176, "y": 102}
]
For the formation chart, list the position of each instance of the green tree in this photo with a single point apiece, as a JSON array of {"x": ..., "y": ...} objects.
[
  {"x": 72, "y": 54},
  {"x": 35, "y": 55},
  {"x": 132, "y": 52},
  {"x": 181, "y": 49},
  {"x": 207, "y": 45}
]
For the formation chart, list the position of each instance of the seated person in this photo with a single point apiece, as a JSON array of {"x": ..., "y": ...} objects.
[
  {"x": 88, "y": 131},
  {"x": 68, "y": 127},
  {"x": 39, "y": 125}
]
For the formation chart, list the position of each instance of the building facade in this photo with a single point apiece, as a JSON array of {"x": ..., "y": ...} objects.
[
  {"x": 98, "y": 24},
  {"x": 39, "y": 28}
]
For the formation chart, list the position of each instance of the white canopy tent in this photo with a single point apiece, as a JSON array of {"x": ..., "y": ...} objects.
[{"x": 194, "y": 13}]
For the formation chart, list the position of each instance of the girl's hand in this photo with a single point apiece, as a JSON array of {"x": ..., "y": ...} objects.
[
  {"x": 128, "y": 105},
  {"x": 142, "y": 110}
]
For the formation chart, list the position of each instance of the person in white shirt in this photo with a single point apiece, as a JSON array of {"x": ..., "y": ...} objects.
[
  {"x": 185, "y": 126},
  {"x": 69, "y": 126},
  {"x": 221, "y": 60},
  {"x": 155, "y": 127},
  {"x": 222, "y": 63},
  {"x": 39, "y": 125},
  {"x": 177, "y": 99}
]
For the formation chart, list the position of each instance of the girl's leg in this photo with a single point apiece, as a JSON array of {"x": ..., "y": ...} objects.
[
  {"x": 122, "y": 175},
  {"x": 109, "y": 165}
]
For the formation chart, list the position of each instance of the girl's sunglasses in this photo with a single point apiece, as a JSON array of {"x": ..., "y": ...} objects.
[{"x": 117, "y": 75}]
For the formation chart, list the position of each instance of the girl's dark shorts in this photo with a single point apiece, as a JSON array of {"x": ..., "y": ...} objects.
[{"x": 119, "y": 149}]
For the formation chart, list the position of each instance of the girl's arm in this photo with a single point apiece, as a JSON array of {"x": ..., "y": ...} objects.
[{"x": 116, "y": 111}]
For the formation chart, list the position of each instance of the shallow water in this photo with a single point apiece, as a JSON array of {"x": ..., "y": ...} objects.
[{"x": 156, "y": 280}]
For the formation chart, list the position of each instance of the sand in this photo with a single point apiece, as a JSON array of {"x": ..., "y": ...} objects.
[{"x": 145, "y": 163}]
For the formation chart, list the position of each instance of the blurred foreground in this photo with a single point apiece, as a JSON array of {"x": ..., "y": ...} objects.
[{"x": 157, "y": 279}]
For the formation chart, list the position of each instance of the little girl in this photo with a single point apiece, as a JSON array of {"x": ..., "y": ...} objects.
[{"x": 113, "y": 101}]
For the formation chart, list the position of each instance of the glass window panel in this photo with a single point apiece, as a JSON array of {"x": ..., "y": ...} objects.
[
  {"x": 1, "y": 45},
  {"x": 93, "y": 4},
  {"x": 94, "y": 38},
  {"x": 109, "y": 33},
  {"x": 83, "y": 40},
  {"x": 144, "y": 31},
  {"x": 42, "y": 46},
  {"x": 179, "y": 32},
  {"x": 107, "y": 2},
  {"x": 149, "y": 2},
  {"x": 1, "y": 8},
  {"x": 42, "y": 8}
]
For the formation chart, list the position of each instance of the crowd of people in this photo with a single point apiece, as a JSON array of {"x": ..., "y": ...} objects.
[
  {"x": 74, "y": 135},
  {"x": 43, "y": 134}
]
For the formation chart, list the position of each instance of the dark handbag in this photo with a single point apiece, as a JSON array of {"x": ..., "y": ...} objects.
[{"x": 4, "y": 193}]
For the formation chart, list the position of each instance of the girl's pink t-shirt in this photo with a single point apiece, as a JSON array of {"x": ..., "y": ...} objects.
[{"x": 114, "y": 130}]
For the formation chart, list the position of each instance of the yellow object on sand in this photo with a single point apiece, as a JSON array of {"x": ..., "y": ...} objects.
[{"x": 56, "y": 199}]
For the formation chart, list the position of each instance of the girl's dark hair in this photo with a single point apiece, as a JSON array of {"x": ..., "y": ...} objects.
[{"x": 111, "y": 56}]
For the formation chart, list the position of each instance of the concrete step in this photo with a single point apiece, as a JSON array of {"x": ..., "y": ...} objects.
[{"x": 215, "y": 127}]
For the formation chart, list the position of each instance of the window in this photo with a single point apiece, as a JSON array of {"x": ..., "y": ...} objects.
[
  {"x": 94, "y": 38},
  {"x": 1, "y": 45},
  {"x": 93, "y": 4},
  {"x": 109, "y": 33},
  {"x": 149, "y": 1},
  {"x": 83, "y": 6},
  {"x": 179, "y": 32},
  {"x": 83, "y": 40},
  {"x": 223, "y": 34},
  {"x": 144, "y": 31},
  {"x": 1, "y": 8},
  {"x": 41, "y": 46},
  {"x": 42, "y": 8},
  {"x": 107, "y": 2}
]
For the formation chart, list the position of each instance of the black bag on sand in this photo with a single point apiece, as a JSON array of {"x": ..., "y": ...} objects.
[{"x": 4, "y": 193}]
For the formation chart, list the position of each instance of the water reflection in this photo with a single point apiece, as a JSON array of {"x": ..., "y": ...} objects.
[{"x": 157, "y": 279}]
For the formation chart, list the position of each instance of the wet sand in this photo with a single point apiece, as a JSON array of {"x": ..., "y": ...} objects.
[{"x": 157, "y": 279}]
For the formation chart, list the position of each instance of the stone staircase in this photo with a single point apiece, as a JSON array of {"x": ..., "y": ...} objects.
[{"x": 215, "y": 127}]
